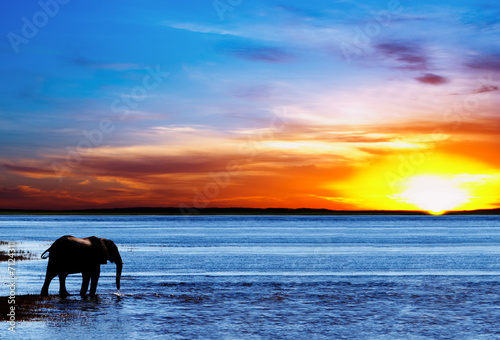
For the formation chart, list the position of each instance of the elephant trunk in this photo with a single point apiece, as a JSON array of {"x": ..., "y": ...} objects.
[
  {"x": 113, "y": 255},
  {"x": 119, "y": 266}
]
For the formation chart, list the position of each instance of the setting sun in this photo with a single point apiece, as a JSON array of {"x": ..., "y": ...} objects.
[
  {"x": 441, "y": 183},
  {"x": 435, "y": 194}
]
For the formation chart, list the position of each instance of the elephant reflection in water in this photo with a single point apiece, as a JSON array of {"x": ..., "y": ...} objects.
[{"x": 70, "y": 255}]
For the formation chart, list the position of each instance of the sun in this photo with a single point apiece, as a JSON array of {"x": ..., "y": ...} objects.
[
  {"x": 435, "y": 194},
  {"x": 442, "y": 183}
]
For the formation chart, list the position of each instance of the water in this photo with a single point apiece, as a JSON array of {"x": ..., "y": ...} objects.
[{"x": 272, "y": 277}]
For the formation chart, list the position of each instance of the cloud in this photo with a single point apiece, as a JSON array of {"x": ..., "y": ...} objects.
[
  {"x": 302, "y": 13},
  {"x": 485, "y": 151},
  {"x": 12, "y": 193},
  {"x": 258, "y": 92},
  {"x": 200, "y": 28},
  {"x": 28, "y": 197},
  {"x": 120, "y": 192},
  {"x": 81, "y": 61},
  {"x": 265, "y": 54},
  {"x": 432, "y": 79},
  {"x": 119, "y": 66},
  {"x": 86, "y": 62},
  {"x": 489, "y": 62},
  {"x": 486, "y": 88},
  {"x": 405, "y": 56},
  {"x": 484, "y": 19},
  {"x": 482, "y": 89},
  {"x": 152, "y": 165},
  {"x": 29, "y": 171},
  {"x": 143, "y": 180},
  {"x": 453, "y": 124}
]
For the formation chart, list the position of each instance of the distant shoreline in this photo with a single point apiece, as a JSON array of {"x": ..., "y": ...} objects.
[{"x": 233, "y": 211}]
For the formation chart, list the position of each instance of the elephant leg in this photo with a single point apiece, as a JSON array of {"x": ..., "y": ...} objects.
[
  {"x": 95, "y": 280},
  {"x": 48, "y": 278},
  {"x": 85, "y": 283},
  {"x": 62, "y": 285}
]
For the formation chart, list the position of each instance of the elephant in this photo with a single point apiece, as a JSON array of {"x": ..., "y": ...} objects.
[{"x": 70, "y": 255}]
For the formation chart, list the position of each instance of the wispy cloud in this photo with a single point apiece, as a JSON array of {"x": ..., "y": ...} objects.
[
  {"x": 28, "y": 170},
  {"x": 301, "y": 12},
  {"x": 490, "y": 62},
  {"x": 200, "y": 28},
  {"x": 265, "y": 54},
  {"x": 87, "y": 62},
  {"x": 486, "y": 88},
  {"x": 484, "y": 19},
  {"x": 404, "y": 55}
]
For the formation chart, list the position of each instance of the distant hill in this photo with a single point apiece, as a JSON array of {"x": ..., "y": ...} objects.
[
  {"x": 476, "y": 212},
  {"x": 236, "y": 211}
]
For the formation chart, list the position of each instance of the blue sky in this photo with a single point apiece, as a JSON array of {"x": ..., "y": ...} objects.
[{"x": 360, "y": 70}]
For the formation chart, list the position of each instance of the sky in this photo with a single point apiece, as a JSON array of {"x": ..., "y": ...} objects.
[{"x": 349, "y": 105}]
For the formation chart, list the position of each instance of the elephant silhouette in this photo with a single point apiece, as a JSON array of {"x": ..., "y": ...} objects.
[{"x": 70, "y": 255}]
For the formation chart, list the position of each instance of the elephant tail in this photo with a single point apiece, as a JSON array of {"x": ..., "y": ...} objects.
[{"x": 45, "y": 252}]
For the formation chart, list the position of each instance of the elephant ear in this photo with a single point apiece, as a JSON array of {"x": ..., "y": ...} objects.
[
  {"x": 105, "y": 252},
  {"x": 112, "y": 252},
  {"x": 101, "y": 252}
]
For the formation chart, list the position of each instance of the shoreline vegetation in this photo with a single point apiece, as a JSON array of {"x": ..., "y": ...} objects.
[
  {"x": 17, "y": 255},
  {"x": 234, "y": 211},
  {"x": 26, "y": 307},
  {"x": 33, "y": 307}
]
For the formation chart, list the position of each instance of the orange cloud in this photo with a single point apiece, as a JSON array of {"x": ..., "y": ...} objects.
[{"x": 295, "y": 166}]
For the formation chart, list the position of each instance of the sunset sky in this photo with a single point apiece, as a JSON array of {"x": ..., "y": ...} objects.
[{"x": 229, "y": 103}]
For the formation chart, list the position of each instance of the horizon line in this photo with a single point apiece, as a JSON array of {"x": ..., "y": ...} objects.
[{"x": 239, "y": 210}]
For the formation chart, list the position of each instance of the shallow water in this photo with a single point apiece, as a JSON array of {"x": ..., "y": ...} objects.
[{"x": 280, "y": 277}]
